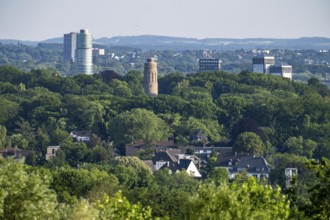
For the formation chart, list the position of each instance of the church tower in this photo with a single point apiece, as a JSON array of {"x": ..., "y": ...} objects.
[{"x": 150, "y": 82}]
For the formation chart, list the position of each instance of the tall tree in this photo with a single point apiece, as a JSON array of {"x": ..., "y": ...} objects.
[
  {"x": 249, "y": 142},
  {"x": 25, "y": 193},
  {"x": 247, "y": 201},
  {"x": 3, "y": 136},
  {"x": 137, "y": 124},
  {"x": 319, "y": 207}
]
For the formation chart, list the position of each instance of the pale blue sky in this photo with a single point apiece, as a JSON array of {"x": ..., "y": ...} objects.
[{"x": 43, "y": 19}]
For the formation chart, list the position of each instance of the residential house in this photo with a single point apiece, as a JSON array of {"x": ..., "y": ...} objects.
[
  {"x": 135, "y": 148},
  {"x": 184, "y": 164},
  {"x": 198, "y": 136},
  {"x": 164, "y": 159},
  {"x": 203, "y": 153},
  {"x": 255, "y": 166},
  {"x": 226, "y": 158},
  {"x": 235, "y": 163},
  {"x": 81, "y": 136},
  {"x": 51, "y": 151}
]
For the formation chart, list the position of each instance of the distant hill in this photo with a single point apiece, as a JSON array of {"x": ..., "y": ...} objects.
[
  {"x": 13, "y": 41},
  {"x": 180, "y": 43},
  {"x": 57, "y": 40},
  {"x": 175, "y": 43}
]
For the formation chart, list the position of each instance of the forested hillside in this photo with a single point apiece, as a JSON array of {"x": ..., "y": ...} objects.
[{"x": 290, "y": 122}]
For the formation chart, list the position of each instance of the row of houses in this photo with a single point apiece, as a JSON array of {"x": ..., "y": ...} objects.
[{"x": 167, "y": 155}]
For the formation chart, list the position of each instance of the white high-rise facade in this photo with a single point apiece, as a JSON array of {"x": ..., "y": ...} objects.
[{"x": 84, "y": 53}]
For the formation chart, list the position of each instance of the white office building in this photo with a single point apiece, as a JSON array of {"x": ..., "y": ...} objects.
[
  {"x": 209, "y": 65},
  {"x": 281, "y": 69},
  {"x": 261, "y": 63},
  {"x": 84, "y": 53}
]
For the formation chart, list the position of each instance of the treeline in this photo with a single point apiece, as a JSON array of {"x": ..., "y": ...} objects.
[
  {"x": 284, "y": 121},
  {"x": 126, "y": 189},
  {"x": 305, "y": 63}
]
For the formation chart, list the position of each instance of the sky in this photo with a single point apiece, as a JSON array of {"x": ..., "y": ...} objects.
[{"x": 37, "y": 20}]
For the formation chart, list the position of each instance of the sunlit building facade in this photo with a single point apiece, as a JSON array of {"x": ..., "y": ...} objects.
[
  {"x": 84, "y": 53},
  {"x": 209, "y": 65},
  {"x": 261, "y": 63},
  {"x": 281, "y": 69}
]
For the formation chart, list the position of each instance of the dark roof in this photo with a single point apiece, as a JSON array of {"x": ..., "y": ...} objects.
[
  {"x": 184, "y": 164},
  {"x": 140, "y": 143},
  {"x": 198, "y": 136},
  {"x": 179, "y": 165},
  {"x": 163, "y": 156},
  {"x": 226, "y": 155},
  {"x": 253, "y": 165},
  {"x": 174, "y": 152},
  {"x": 133, "y": 149}
]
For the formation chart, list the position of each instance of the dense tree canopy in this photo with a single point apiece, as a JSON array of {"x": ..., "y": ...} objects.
[
  {"x": 249, "y": 142},
  {"x": 283, "y": 120},
  {"x": 138, "y": 124}
]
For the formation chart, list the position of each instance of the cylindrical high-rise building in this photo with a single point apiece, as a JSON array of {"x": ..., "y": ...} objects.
[
  {"x": 84, "y": 53},
  {"x": 150, "y": 82}
]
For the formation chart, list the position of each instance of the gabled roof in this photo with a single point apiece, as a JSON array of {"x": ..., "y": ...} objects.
[
  {"x": 179, "y": 165},
  {"x": 253, "y": 165},
  {"x": 225, "y": 156},
  {"x": 175, "y": 152},
  {"x": 198, "y": 135},
  {"x": 133, "y": 149},
  {"x": 140, "y": 143},
  {"x": 164, "y": 156},
  {"x": 183, "y": 164}
]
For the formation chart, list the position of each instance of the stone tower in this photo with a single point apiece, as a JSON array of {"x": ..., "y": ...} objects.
[{"x": 150, "y": 82}]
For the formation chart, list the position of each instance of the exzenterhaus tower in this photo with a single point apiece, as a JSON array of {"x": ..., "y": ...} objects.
[{"x": 84, "y": 53}]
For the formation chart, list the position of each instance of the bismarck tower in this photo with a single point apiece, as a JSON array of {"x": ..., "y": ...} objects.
[{"x": 150, "y": 82}]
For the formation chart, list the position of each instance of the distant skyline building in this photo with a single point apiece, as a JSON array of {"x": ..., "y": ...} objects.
[
  {"x": 281, "y": 69},
  {"x": 266, "y": 64},
  {"x": 98, "y": 52},
  {"x": 150, "y": 75},
  {"x": 209, "y": 65},
  {"x": 84, "y": 53},
  {"x": 261, "y": 63},
  {"x": 70, "y": 44}
]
